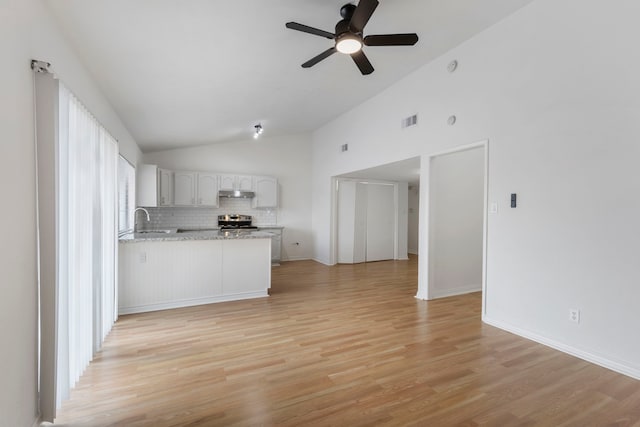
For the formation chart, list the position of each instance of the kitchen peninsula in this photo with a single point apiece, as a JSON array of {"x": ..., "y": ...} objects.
[{"x": 167, "y": 269}]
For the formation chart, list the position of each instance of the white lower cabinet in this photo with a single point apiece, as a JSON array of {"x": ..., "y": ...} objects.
[
  {"x": 276, "y": 244},
  {"x": 158, "y": 275}
]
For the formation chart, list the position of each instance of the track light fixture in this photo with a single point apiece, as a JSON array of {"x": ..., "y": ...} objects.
[{"x": 258, "y": 131}]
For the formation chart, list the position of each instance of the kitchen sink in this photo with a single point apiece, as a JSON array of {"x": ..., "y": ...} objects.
[
  {"x": 153, "y": 231},
  {"x": 199, "y": 230}
]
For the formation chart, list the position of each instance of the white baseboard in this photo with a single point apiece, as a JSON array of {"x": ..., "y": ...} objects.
[
  {"x": 604, "y": 361},
  {"x": 190, "y": 302},
  {"x": 461, "y": 290},
  {"x": 294, "y": 258},
  {"x": 322, "y": 262},
  {"x": 412, "y": 251}
]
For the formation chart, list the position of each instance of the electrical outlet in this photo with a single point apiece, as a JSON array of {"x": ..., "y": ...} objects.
[{"x": 574, "y": 315}]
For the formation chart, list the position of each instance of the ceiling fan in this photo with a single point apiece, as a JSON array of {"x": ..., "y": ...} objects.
[{"x": 349, "y": 38}]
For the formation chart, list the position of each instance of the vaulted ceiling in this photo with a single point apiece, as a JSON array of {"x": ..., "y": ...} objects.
[{"x": 192, "y": 72}]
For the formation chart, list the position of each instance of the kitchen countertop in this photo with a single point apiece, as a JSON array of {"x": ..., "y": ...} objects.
[{"x": 174, "y": 236}]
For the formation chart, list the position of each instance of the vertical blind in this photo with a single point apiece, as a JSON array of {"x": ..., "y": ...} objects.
[
  {"x": 87, "y": 225},
  {"x": 126, "y": 195}
]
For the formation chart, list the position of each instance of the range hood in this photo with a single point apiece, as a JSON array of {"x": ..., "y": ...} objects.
[{"x": 236, "y": 194}]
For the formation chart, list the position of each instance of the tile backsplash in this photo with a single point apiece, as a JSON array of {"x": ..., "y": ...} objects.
[{"x": 186, "y": 217}]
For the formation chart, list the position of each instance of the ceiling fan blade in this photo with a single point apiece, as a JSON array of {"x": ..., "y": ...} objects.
[
  {"x": 362, "y": 62},
  {"x": 361, "y": 15},
  {"x": 313, "y": 61},
  {"x": 391, "y": 40},
  {"x": 310, "y": 30}
]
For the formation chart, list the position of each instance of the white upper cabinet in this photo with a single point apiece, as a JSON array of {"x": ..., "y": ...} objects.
[
  {"x": 207, "y": 189},
  {"x": 184, "y": 188},
  {"x": 244, "y": 183},
  {"x": 146, "y": 186},
  {"x": 227, "y": 182},
  {"x": 266, "y": 188},
  {"x": 165, "y": 187},
  {"x": 154, "y": 186},
  {"x": 236, "y": 182}
]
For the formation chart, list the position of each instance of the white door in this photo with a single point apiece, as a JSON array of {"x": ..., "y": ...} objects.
[
  {"x": 380, "y": 222},
  {"x": 360, "y": 223},
  {"x": 346, "y": 221}
]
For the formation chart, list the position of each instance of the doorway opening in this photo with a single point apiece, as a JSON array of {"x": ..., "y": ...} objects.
[
  {"x": 370, "y": 215},
  {"x": 368, "y": 221},
  {"x": 455, "y": 223}
]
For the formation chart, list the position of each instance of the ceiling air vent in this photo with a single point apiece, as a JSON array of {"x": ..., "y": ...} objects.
[{"x": 410, "y": 121}]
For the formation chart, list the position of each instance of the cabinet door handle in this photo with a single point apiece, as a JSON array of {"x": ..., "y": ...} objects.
[
  {"x": 162, "y": 200},
  {"x": 200, "y": 201}
]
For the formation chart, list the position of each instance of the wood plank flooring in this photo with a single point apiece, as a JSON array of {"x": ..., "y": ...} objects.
[{"x": 347, "y": 345}]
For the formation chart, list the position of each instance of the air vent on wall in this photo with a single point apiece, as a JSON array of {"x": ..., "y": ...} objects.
[
  {"x": 344, "y": 147},
  {"x": 410, "y": 121}
]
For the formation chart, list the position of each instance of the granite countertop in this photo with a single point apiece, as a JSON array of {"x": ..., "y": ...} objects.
[
  {"x": 262, "y": 227},
  {"x": 172, "y": 235}
]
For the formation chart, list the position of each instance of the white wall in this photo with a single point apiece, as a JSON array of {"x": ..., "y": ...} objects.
[
  {"x": 413, "y": 217},
  {"x": 456, "y": 215},
  {"x": 27, "y": 32},
  {"x": 554, "y": 88},
  {"x": 286, "y": 158}
]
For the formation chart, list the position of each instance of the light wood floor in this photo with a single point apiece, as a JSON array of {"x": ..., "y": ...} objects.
[{"x": 340, "y": 346}]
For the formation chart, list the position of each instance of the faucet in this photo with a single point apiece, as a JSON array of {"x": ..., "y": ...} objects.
[{"x": 134, "y": 215}]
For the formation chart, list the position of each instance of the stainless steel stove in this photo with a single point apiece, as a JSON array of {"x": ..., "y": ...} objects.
[{"x": 236, "y": 222}]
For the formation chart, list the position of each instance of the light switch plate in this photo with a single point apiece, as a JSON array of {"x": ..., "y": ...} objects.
[{"x": 493, "y": 208}]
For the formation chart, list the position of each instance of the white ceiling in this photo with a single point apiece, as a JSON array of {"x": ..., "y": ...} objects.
[{"x": 192, "y": 72}]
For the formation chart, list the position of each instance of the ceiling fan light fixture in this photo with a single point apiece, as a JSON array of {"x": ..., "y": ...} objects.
[
  {"x": 348, "y": 36},
  {"x": 348, "y": 44},
  {"x": 258, "y": 130}
]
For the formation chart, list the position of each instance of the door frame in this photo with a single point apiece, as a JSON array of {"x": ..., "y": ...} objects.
[{"x": 425, "y": 287}]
